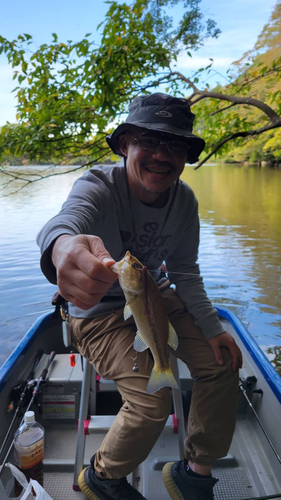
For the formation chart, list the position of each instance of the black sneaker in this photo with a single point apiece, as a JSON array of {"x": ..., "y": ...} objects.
[
  {"x": 181, "y": 486},
  {"x": 108, "y": 489}
]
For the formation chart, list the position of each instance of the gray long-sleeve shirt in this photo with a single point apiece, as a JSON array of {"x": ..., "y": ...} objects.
[{"x": 98, "y": 204}]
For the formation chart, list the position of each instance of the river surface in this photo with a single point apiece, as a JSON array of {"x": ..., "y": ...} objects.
[{"x": 240, "y": 248}]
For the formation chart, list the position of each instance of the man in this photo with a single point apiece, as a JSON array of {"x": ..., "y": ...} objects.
[{"x": 144, "y": 207}]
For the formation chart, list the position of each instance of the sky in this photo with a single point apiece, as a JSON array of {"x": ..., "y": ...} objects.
[{"x": 240, "y": 22}]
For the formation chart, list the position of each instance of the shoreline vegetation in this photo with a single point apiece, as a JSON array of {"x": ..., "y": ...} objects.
[
  {"x": 80, "y": 162},
  {"x": 71, "y": 94}
]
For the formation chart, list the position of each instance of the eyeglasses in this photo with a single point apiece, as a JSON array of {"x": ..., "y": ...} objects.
[{"x": 151, "y": 144}]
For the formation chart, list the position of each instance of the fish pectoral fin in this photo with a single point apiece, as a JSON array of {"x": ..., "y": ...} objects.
[
  {"x": 127, "y": 312},
  {"x": 159, "y": 379},
  {"x": 173, "y": 340},
  {"x": 139, "y": 344},
  {"x": 130, "y": 297}
]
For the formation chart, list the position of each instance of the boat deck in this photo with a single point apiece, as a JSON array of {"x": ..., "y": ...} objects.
[
  {"x": 244, "y": 474},
  {"x": 249, "y": 471}
]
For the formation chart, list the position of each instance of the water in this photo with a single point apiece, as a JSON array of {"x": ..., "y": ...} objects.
[{"x": 240, "y": 249}]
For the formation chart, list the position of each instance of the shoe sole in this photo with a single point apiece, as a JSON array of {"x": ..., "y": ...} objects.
[
  {"x": 85, "y": 488},
  {"x": 171, "y": 487}
]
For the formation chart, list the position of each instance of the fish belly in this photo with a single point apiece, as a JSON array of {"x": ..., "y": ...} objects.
[{"x": 153, "y": 333}]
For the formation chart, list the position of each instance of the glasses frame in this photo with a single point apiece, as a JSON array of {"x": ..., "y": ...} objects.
[{"x": 159, "y": 141}]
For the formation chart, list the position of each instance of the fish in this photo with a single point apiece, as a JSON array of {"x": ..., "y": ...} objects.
[{"x": 154, "y": 331}]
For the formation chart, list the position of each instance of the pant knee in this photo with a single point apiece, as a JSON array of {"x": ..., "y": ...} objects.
[{"x": 155, "y": 407}]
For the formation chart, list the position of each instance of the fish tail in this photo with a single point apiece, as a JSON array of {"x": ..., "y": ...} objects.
[{"x": 159, "y": 379}]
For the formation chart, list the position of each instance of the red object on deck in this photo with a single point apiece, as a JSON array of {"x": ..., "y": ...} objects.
[
  {"x": 175, "y": 424},
  {"x": 72, "y": 360},
  {"x": 86, "y": 426}
]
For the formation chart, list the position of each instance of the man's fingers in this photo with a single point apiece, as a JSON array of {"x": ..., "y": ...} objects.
[
  {"x": 93, "y": 267},
  {"x": 79, "y": 298},
  {"x": 236, "y": 357},
  {"x": 218, "y": 354}
]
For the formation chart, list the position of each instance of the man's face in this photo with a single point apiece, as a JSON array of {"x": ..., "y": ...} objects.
[{"x": 151, "y": 172}]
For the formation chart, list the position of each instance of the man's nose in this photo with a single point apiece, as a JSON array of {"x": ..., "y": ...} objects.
[{"x": 161, "y": 150}]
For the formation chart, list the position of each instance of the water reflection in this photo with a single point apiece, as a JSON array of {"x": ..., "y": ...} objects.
[
  {"x": 240, "y": 255},
  {"x": 240, "y": 247}
]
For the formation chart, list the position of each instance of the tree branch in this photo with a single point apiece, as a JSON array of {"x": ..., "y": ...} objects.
[
  {"x": 238, "y": 134},
  {"x": 249, "y": 101}
]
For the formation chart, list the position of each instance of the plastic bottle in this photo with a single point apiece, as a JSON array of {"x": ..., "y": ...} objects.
[{"x": 29, "y": 450}]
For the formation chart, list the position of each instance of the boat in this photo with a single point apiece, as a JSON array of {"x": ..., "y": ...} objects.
[{"x": 64, "y": 387}]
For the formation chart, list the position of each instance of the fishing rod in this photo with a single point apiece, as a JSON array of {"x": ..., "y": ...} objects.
[
  {"x": 41, "y": 379},
  {"x": 35, "y": 393},
  {"x": 243, "y": 390},
  {"x": 23, "y": 388},
  {"x": 266, "y": 497}
]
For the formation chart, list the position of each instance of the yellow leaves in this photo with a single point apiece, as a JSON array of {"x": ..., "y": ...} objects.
[
  {"x": 125, "y": 48},
  {"x": 52, "y": 125}
]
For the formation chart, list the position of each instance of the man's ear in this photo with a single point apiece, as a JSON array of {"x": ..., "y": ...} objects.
[{"x": 123, "y": 139}]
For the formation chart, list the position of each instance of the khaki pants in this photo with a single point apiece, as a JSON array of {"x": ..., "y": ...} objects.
[{"x": 107, "y": 342}]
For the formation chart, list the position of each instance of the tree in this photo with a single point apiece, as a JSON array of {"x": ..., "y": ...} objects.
[
  {"x": 70, "y": 95},
  {"x": 261, "y": 65}
]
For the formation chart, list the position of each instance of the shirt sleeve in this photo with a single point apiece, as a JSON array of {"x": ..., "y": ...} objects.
[
  {"x": 188, "y": 282},
  {"x": 80, "y": 214}
]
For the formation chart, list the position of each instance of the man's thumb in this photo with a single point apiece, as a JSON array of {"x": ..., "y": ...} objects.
[
  {"x": 108, "y": 261},
  {"x": 98, "y": 249}
]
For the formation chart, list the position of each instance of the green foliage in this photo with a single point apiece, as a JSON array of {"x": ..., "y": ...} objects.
[{"x": 69, "y": 94}]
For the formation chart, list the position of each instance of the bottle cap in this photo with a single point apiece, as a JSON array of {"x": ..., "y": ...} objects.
[{"x": 29, "y": 417}]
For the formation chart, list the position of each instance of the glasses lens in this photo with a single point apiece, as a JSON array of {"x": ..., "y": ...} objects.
[
  {"x": 178, "y": 147},
  {"x": 152, "y": 143},
  {"x": 149, "y": 142}
]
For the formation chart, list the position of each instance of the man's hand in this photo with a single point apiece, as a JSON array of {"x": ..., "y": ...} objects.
[
  {"x": 226, "y": 340},
  {"x": 82, "y": 263}
]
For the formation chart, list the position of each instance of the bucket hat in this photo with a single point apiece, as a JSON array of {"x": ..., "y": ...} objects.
[{"x": 162, "y": 113}]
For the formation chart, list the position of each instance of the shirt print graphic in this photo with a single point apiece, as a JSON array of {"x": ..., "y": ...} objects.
[{"x": 152, "y": 245}]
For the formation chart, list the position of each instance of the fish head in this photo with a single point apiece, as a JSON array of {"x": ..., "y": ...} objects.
[{"x": 129, "y": 270}]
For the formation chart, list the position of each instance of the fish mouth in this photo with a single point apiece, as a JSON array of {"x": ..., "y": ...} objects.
[
  {"x": 119, "y": 267},
  {"x": 116, "y": 269}
]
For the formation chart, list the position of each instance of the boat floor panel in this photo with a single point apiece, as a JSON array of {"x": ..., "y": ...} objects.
[{"x": 243, "y": 474}]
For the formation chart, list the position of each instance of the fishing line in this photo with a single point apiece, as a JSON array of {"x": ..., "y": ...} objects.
[
  {"x": 173, "y": 272},
  {"x": 205, "y": 277}
]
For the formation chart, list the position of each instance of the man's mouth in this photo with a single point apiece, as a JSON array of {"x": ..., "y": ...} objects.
[{"x": 158, "y": 171}]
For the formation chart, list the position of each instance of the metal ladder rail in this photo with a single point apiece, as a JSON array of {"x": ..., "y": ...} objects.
[{"x": 88, "y": 371}]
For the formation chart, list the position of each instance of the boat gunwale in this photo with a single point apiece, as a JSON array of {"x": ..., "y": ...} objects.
[
  {"x": 268, "y": 371},
  {"x": 23, "y": 346}
]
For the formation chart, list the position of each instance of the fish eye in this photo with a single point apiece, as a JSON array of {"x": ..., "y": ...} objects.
[{"x": 135, "y": 265}]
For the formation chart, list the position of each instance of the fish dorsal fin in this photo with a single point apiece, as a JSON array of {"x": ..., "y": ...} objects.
[
  {"x": 139, "y": 344},
  {"x": 127, "y": 312},
  {"x": 173, "y": 338}
]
